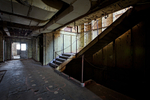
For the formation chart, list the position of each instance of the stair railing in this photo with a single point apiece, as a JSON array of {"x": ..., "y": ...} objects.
[{"x": 76, "y": 40}]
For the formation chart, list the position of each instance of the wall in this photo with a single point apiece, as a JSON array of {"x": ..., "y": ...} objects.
[
  {"x": 124, "y": 61},
  {"x": 57, "y": 43},
  {"x": 9, "y": 40},
  {"x": 1, "y": 47},
  {"x": 14, "y": 50},
  {"x": 63, "y": 40},
  {"x": 48, "y": 52},
  {"x": 35, "y": 49}
]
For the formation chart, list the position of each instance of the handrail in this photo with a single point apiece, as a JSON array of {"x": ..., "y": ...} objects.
[{"x": 85, "y": 33}]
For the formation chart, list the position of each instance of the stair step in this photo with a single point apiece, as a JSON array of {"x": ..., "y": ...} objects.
[
  {"x": 66, "y": 54},
  {"x": 60, "y": 59},
  {"x": 57, "y": 62},
  {"x": 53, "y": 65},
  {"x": 64, "y": 57}
]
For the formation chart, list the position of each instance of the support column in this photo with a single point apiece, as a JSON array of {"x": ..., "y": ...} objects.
[
  {"x": 81, "y": 36},
  {"x": 99, "y": 25},
  {"x": 82, "y": 72},
  {"x": 1, "y": 45},
  {"x": 88, "y": 29}
]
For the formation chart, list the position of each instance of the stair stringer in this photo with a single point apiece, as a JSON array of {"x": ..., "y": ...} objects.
[{"x": 62, "y": 66}]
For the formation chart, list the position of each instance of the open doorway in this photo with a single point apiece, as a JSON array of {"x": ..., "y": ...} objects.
[{"x": 16, "y": 50}]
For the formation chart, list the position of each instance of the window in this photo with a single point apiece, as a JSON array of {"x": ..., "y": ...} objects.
[
  {"x": 23, "y": 47},
  {"x": 18, "y": 46}
]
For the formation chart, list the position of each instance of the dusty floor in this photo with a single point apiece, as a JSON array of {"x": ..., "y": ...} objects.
[{"x": 29, "y": 80}]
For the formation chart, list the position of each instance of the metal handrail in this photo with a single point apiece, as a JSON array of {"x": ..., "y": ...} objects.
[{"x": 78, "y": 38}]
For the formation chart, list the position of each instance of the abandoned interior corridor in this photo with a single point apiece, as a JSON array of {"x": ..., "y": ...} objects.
[{"x": 74, "y": 49}]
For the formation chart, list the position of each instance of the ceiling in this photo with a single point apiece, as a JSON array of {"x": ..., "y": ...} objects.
[{"x": 33, "y": 17}]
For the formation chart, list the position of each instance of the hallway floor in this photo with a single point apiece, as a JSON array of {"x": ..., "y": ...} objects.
[{"x": 29, "y": 80}]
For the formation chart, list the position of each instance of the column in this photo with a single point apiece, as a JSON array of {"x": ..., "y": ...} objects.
[
  {"x": 99, "y": 24},
  {"x": 88, "y": 29},
  {"x": 81, "y": 37}
]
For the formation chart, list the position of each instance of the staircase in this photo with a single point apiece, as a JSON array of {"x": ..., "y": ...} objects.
[
  {"x": 61, "y": 60},
  {"x": 128, "y": 20}
]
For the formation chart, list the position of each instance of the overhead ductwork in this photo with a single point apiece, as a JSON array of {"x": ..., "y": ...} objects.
[
  {"x": 54, "y": 3},
  {"x": 26, "y": 12},
  {"x": 77, "y": 8}
]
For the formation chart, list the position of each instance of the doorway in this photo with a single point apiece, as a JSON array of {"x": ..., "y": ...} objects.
[
  {"x": 15, "y": 50},
  {"x": 19, "y": 50}
]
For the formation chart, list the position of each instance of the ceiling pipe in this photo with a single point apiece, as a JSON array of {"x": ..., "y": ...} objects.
[{"x": 76, "y": 9}]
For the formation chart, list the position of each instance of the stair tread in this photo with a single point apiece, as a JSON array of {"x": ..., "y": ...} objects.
[
  {"x": 57, "y": 61},
  {"x": 53, "y": 64},
  {"x": 62, "y": 56},
  {"x": 60, "y": 59},
  {"x": 66, "y": 54}
]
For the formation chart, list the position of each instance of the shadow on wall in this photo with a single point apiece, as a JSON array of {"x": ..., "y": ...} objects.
[{"x": 125, "y": 81}]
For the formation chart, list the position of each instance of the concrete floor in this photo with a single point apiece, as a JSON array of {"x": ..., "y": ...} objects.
[{"x": 29, "y": 80}]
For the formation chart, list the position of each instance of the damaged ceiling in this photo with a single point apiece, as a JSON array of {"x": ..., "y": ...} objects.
[{"x": 33, "y": 17}]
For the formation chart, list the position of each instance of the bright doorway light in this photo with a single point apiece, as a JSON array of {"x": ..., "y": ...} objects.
[
  {"x": 23, "y": 47},
  {"x": 18, "y": 46}
]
